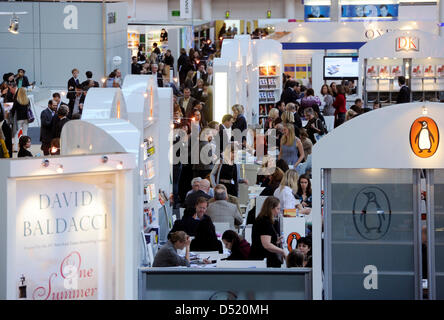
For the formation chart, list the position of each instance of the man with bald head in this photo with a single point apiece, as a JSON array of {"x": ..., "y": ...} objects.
[{"x": 190, "y": 201}]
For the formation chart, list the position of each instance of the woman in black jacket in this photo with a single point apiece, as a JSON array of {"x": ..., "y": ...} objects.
[
  {"x": 24, "y": 144},
  {"x": 206, "y": 238}
]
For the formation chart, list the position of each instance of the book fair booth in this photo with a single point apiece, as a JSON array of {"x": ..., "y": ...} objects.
[
  {"x": 416, "y": 55},
  {"x": 377, "y": 243}
]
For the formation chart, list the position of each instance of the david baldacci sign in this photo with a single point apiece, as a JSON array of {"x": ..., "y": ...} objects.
[{"x": 63, "y": 238}]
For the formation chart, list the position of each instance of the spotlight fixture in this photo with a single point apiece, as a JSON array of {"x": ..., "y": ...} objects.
[
  {"x": 424, "y": 110},
  {"x": 120, "y": 165},
  {"x": 105, "y": 159},
  {"x": 46, "y": 164},
  {"x": 14, "y": 24}
]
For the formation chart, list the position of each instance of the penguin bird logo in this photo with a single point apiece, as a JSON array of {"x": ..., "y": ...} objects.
[
  {"x": 424, "y": 139},
  {"x": 371, "y": 199},
  {"x": 372, "y": 213}
]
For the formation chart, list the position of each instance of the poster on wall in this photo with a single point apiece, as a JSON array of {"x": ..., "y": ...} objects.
[
  {"x": 384, "y": 72},
  {"x": 429, "y": 71},
  {"x": 316, "y": 13},
  {"x": 301, "y": 71},
  {"x": 133, "y": 40},
  {"x": 386, "y": 12},
  {"x": 417, "y": 71},
  {"x": 290, "y": 70},
  {"x": 64, "y": 239},
  {"x": 372, "y": 71},
  {"x": 440, "y": 71},
  {"x": 396, "y": 71}
]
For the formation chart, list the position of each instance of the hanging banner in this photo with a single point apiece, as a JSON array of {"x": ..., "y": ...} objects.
[
  {"x": 387, "y": 12},
  {"x": 317, "y": 13},
  {"x": 186, "y": 9},
  {"x": 64, "y": 243}
]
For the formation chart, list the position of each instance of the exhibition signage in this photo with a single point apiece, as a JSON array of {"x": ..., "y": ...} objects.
[
  {"x": 424, "y": 137},
  {"x": 407, "y": 44},
  {"x": 387, "y": 12},
  {"x": 63, "y": 238},
  {"x": 186, "y": 9},
  {"x": 317, "y": 13}
]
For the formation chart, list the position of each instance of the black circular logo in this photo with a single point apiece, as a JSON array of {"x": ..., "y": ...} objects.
[{"x": 372, "y": 213}]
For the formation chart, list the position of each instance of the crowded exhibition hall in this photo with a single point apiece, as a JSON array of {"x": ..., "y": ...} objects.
[{"x": 222, "y": 150}]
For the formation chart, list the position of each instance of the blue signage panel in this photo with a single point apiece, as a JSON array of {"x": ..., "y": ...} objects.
[
  {"x": 316, "y": 13},
  {"x": 386, "y": 12}
]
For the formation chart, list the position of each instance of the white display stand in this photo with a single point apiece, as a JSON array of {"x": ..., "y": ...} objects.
[
  {"x": 66, "y": 228},
  {"x": 388, "y": 147},
  {"x": 381, "y": 62},
  {"x": 237, "y": 76}
]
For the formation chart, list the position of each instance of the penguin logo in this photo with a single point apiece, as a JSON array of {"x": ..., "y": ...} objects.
[
  {"x": 424, "y": 137},
  {"x": 292, "y": 241},
  {"x": 372, "y": 213}
]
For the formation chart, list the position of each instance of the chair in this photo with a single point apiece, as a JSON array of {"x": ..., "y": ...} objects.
[
  {"x": 259, "y": 202},
  {"x": 329, "y": 122},
  {"x": 241, "y": 264},
  {"x": 221, "y": 227},
  {"x": 150, "y": 254}
]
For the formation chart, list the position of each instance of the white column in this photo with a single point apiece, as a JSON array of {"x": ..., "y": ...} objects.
[
  {"x": 289, "y": 11},
  {"x": 205, "y": 8},
  {"x": 441, "y": 16},
  {"x": 335, "y": 10}
]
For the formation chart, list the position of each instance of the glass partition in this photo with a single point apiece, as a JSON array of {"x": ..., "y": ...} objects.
[
  {"x": 438, "y": 220},
  {"x": 370, "y": 230}
]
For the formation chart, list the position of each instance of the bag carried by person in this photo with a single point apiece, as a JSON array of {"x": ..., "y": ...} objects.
[{"x": 30, "y": 115}]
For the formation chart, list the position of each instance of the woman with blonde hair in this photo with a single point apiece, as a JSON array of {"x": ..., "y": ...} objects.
[
  {"x": 239, "y": 119},
  {"x": 19, "y": 112},
  {"x": 291, "y": 147},
  {"x": 273, "y": 119},
  {"x": 188, "y": 83},
  {"x": 287, "y": 190}
]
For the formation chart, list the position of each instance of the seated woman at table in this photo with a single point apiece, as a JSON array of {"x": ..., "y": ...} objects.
[
  {"x": 206, "y": 238},
  {"x": 304, "y": 193},
  {"x": 266, "y": 242},
  {"x": 167, "y": 255},
  {"x": 24, "y": 145},
  {"x": 287, "y": 189},
  {"x": 240, "y": 249}
]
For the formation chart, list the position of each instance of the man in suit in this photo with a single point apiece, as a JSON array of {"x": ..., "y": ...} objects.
[
  {"x": 187, "y": 101},
  {"x": 190, "y": 201},
  {"x": 225, "y": 133},
  {"x": 200, "y": 74},
  {"x": 155, "y": 71},
  {"x": 291, "y": 93},
  {"x": 189, "y": 223},
  {"x": 46, "y": 126},
  {"x": 89, "y": 82},
  {"x": 223, "y": 211},
  {"x": 135, "y": 67},
  {"x": 72, "y": 83},
  {"x": 404, "y": 92},
  {"x": 59, "y": 121},
  {"x": 56, "y": 97},
  {"x": 76, "y": 105}
]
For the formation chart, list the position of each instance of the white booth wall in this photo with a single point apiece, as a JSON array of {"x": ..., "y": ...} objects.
[{"x": 55, "y": 37}]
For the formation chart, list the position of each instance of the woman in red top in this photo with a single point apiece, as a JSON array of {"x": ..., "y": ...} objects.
[{"x": 340, "y": 106}]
